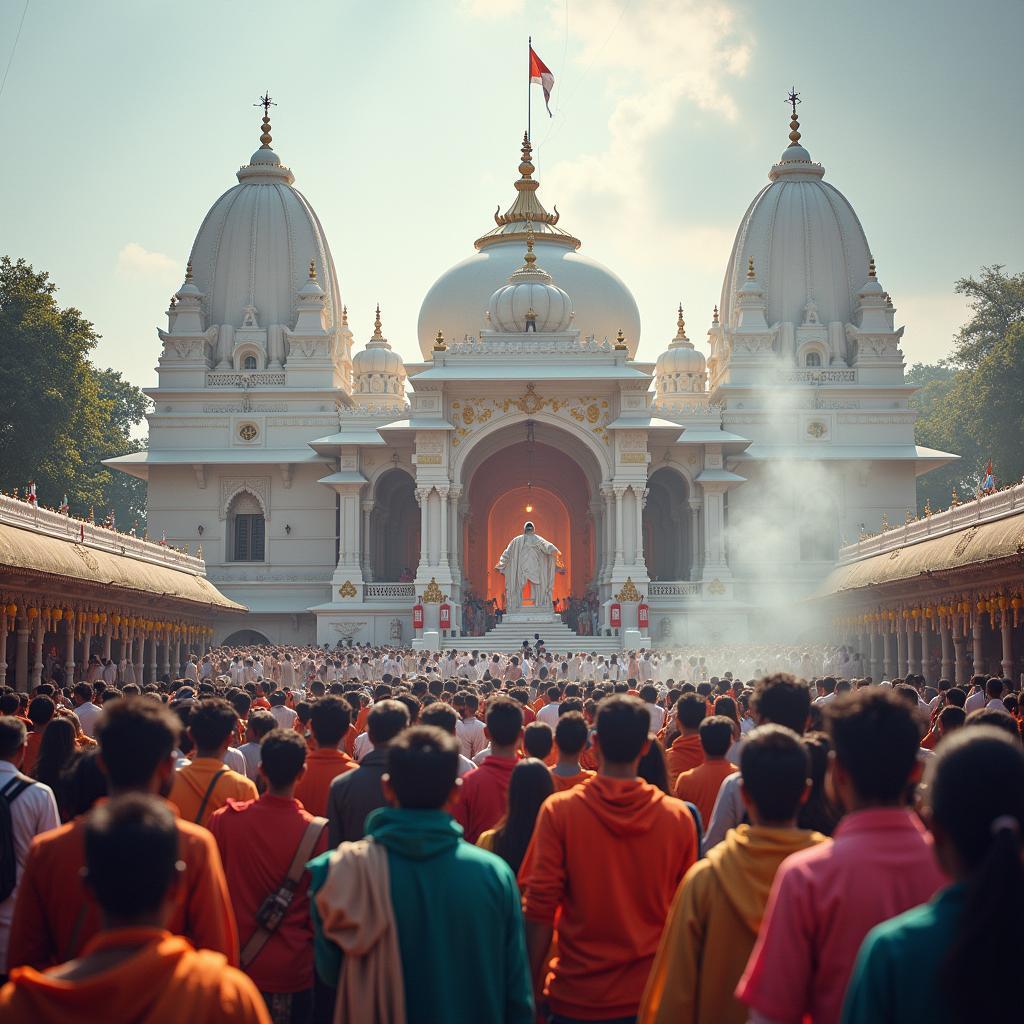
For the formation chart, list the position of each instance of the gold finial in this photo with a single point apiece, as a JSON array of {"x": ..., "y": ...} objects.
[
  {"x": 620, "y": 342},
  {"x": 531, "y": 257},
  {"x": 344, "y": 316},
  {"x": 439, "y": 345},
  {"x": 526, "y": 167},
  {"x": 885, "y": 522},
  {"x": 928, "y": 508},
  {"x": 794, "y": 125},
  {"x": 188, "y": 270},
  {"x": 266, "y": 103},
  {"x": 312, "y": 270},
  {"x": 376, "y": 324},
  {"x": 714, "y": 315},
  {"x": 750, "y": 268},
  {"x": 680, "y": 323},
  {"x": 955, "y": 499},
  {"x": 871, "y": 267}
]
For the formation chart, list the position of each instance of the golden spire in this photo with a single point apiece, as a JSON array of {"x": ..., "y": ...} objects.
[
  {"x": 188, "y": 270},
  {"x": 680, "y": 323},
  {"x": 750, "y": 268},
  {"x": 439, "y": 345},
  {"x": 871, "y": 268},
  {"x": 344, "y": 316},
  {"x": 526, "y": 167},
  {"x": 266, "y": 103},
  {"x": 531, "y": 257},
  {"x": 714, "y": 316},
  {"x": 312, "y": 270},
  {"x": 376, "y": 325},
  {"x": 620, "y": 342},
  {"x": 794, "y": 125}
]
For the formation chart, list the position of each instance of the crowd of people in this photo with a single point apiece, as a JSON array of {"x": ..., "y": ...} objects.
[{"x": 297, "y": 835}]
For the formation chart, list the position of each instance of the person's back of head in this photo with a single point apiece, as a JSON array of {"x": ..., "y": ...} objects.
[
  {"x": 40, "y": 711},
  {"x": 259, "y": 723},
  {"x": 907, "y": 693},
  {"x": 571, "y": 733},
  {"x": 441, "y": 716},
  {"x": 996, "y": 718},
  {"x": 282, "y": 758},
  {"x": 976, "y": 813},
  {"x": 538, "y": 740},
  {"x": 950, "y": 719},
  {"x": 329, "y": 718},
  {"x": 84, "y": 692},
  {"x": 241, "y": 702},
  {"x": 504, "y": 721},
  {"x": 387, "y": 718},
  {"x": 623, "y": 724},
  {"x": 775, "y": 768},
  {"x": 423, "y": 766},
  {"x": 716, "y": 735},
  {"x": 994, "y": 688},
  {"x": 876, "y": 738},
  {"x": 781, "y": 699},
  {"x": 648, "y": 693},
  {"x": 691, "y": 711},
  {"x": 956, "y": 696},
  {"x": 12, "y": 738},
  {"x": 553, "y": 693},
  {"x": 136, "y": 737},
  {"x": 278, "y": 699},
  {"x": 212, "y": 723},
  {"x": 827, "y": 685}
]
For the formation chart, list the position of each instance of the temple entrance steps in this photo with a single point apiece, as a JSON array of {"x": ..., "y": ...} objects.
[{"x": 557, "y": 636}]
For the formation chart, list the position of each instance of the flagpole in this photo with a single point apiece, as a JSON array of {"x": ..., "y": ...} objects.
[{"x": 529, "y": 87}]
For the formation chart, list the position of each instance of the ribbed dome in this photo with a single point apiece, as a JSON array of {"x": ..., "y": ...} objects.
[
  {"x": 530, "y": 297},
  {"x": 254, "y": 247},
  {"x": 807, "y": 243},
  {"x": 456, "y": 301},
  {"x": 680, "y": 368},
  {"x": 378, "y": 356}
]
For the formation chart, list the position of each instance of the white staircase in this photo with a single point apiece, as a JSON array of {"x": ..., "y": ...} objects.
[{"x": 557, "y": 636}]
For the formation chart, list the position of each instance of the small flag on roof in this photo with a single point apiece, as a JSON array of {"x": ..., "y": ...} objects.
[{"x": 541, "y": 75}]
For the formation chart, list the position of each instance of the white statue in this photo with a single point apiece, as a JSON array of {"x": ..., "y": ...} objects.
[{"x": 529, "y": 564}]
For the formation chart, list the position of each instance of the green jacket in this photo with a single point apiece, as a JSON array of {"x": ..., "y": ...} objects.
[{"x": 459, "y": 920}]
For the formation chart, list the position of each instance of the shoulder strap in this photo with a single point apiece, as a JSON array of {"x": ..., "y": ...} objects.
[
  {"x": 261, "y": 936},
  {"x": 15, "y": 788},
  {"x": 209, "y": 792}
]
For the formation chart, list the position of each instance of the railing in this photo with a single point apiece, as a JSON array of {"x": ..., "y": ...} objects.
[
  {"x": 255, "y": 379},
  {"x": 673, "y": 589},
  {"x": 1009, "y": 501},
  {"x": 815, "y": 376},
  {"x": 389, "y": 592},
  {"x": 24, "y": 514}
]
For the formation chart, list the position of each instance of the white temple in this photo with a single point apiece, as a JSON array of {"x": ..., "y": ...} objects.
[{"x": 331, "y": 492}]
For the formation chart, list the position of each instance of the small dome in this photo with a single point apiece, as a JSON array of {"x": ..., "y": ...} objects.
[
  {"x": 680, "y": 368},
  {"x": 530, "y": 300},
  {"x": 378, "y": 357}
]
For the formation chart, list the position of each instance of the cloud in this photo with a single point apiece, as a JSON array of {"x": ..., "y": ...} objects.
[
  {"x": 931, "y": 319},
  {"x": 136, "y": 261}
]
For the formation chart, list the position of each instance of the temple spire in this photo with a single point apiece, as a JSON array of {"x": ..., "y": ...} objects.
[
  {"x": 266, "y": 103},
  {"x": 794, "y": 125},
  {"x": 376, "y": 325}
]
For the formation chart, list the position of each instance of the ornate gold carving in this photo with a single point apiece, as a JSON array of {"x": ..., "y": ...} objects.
[
  {"x": 816, "y": 429},
  {"x": 428, "y": 460},
  {"x": 633, "y": 457},
  {"x": 628, "y": 591},
  {"x": 531, "y": 402},
  {"x": 432, "y": 595},
  {"x": 347, "y": 589},
  {"x": 716, "y": 586}
]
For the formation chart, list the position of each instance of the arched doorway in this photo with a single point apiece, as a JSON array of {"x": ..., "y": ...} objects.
[
  {"x": 667, "y": 544},
  {"x": 395, "y": 528},
  {"x": 245, "y": 638}
]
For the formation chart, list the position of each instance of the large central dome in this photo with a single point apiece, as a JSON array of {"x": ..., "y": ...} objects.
[{"x": 456, "y": 302}]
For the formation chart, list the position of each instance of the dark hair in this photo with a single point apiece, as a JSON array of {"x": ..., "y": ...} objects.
[
  {"x": 261, "y": 721},
  {"x": 131, "y": 854},
  {"x": 818, "y": 812},
  {"x": 538, "y": 739},
  {"x": 716, "y": 735},
  {"x": 329, "y": 719},
  {"x": 504, "y": 721},
  {"x": 775, "y": 768},
  {"x": 623, "y": 724},
  {"x": 423, "y": 764},
  {"x": 41, "y": 710},
  {"x": 725, "y": 706},
  {"x": 529, "y": 786},
  {"x": 211, "y": 723},
  {"x": 241, "y": 702},
  {"x": 994, "y": 687},
  {"x": 387, "y": 718},
  {"x": 782, "y": 699},
  {"x": 691, "y": 710},
  {"x": 956, "y": 697},
  {"x": 84, "y": 783},
  {"x": 12, "y": 736},
  {"x": 412, "y": 705},
  {"x": 653, "y": 767},
  {"x": 441, "y": 716},
  {"x": 876, "y": 739},
  {"x": 951, "y": 718},
  {"x": 977, "y": 799},
  {"x": 282, "y": 755},
  {"x": 995, "y": 718},
  {"x": 57, "y": 749},
  {"x": 135, "y": 735},
  {"x": 571, "y": 733}
]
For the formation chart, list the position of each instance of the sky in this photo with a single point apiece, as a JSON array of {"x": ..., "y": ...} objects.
[{"x": 401, "y": 119}]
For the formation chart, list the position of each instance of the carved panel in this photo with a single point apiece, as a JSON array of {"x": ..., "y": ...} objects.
[{"x": 232, "y": 486}]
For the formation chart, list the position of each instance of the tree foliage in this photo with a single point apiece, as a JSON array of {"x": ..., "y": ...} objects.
[
  {"x": 60, "y": 415},
  {"x": 973, "y": 403}
]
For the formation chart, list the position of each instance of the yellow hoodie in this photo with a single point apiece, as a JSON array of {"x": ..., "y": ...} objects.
[{"x": 712, "y": 926}]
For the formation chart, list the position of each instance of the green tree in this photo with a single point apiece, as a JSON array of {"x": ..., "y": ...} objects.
[
  {"x": 60, "y": 417},
  {"x": 997, "y": 303}
]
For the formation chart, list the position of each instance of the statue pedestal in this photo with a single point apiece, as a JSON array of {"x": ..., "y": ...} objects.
[{"x": 527, "y": 615}]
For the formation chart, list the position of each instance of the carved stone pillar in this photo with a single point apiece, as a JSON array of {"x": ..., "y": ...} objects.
[
  {"x": 423, "y": 497},
  {"x": 37, "y": 661},
  {"x": 946, "y": 640},
  {"x": 69, "y": 652},
  {"x": 365, "y": 558},
  {"x": 620, "y": 493},
  {"x": 887, "y": 671},
  {"x": 923, "y": 667},
  {"x": 21, "y": 681},
  {"x": 695, "y": 531},
  {"x": 1007, "y": 634}
]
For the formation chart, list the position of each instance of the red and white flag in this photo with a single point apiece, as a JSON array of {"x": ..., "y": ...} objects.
[
  {"x": 540, "y": 75},
  {"x": 31, "y": 497}
]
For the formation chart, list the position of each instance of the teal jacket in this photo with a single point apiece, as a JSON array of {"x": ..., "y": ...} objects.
[{"x": 459, "y": 920}]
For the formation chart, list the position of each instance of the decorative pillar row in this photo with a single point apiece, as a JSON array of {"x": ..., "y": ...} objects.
[
  {"x": 423, "y": 497},
  {"x": 946, "y": 641},
  {"x": 69, "y": 652},
  {"x": 640, "y": 499},
  {"x": 37, "y": 662},
  {"x": 1006, "y": 628},
  {"x": 695, "y": 532},
  {"x": 21, "y": 681},
  {"x": 365, "y": 559},
  {"x": 923, "y": 667},
  {"x": 620, "y": 493}
]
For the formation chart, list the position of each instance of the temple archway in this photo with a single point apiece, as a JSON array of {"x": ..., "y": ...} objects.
[
  {"x": 667, "y": 532},
  {"x": 245, "y": 638},
  {"x": 395, "y": 528}
]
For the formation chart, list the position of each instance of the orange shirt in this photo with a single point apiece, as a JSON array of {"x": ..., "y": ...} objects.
[
  {"x": 349, "y": 742},
  {"x": 322, "y": 768},
  {"x": 361, "y": 718},
  {"x": 192, "y": 782},
  {"x": 564, "y": 782},
  {"x": 581, "y": 869},
  {"x": 700, "y": 785},
  {"x": 32, "y": 750},
  {"x": 54, "y": 916},
  {"x": 684, "y": 754},
  {"x": 164, "y": 982}
]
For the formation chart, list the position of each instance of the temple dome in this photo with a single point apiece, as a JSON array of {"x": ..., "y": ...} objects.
[
  {"x": 806, "y": 240},
  {"x": 378, "y": 372},
  {"x": 530, "y": 296},
  {"x": 456, "y": 302},
  {"x": 680, "y": 369},
  {"x": 254, "y": 245}
]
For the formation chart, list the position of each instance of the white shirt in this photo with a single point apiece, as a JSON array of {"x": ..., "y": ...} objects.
[
  {"x": 549, "y": 715},
  {"x": 88, "y": 713},
  {"x": 34, "y": 811},
  {"x": 657, "y": 716},
  {"x": 465, "y": 766},
  {"x": 251, "y": 755},
  {"x": 283, "y": 716},
  {"x": 235, "y": 760},
  {"x": 470, "y": 734},
  {"x": 362, "y": 746},
  {"x": 976, "y": 701},
  {"x": 997, "y": 703},
  {"x": 191, "y": 672}
]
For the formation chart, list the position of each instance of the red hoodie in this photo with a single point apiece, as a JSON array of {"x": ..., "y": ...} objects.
[
  {"x": 483, "y": 797},
  {"x": 625, "y": 845}
]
